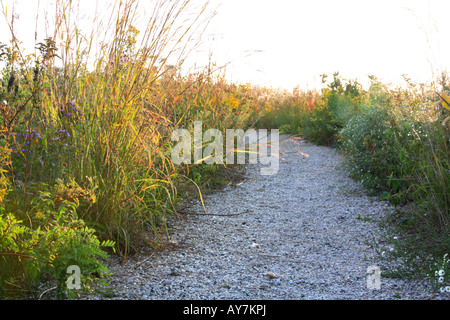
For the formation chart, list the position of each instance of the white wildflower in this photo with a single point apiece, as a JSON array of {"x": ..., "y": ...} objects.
[{"x": 441, "y": 272}]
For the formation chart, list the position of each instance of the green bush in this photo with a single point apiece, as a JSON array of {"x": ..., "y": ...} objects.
[
  {"x": 47, "y": 239},
  {"x": 380, "y": 150},
  {"x": 338, "y": 103},
  {"x": 398, "y": 147}
]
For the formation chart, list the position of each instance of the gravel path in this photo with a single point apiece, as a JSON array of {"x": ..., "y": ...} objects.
[{"x": 292, "y": 235}]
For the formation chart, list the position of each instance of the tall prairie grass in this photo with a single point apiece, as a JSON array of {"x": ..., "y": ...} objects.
[{"x": 86, "y": 129}]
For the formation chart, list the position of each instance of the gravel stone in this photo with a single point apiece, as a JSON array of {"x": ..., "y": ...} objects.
[{"x": 291, "y": 235}]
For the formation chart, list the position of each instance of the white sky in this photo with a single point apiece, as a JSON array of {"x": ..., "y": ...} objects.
[
  {"x": 302, "y": 39},
  {"x": 284, "y": 43}
]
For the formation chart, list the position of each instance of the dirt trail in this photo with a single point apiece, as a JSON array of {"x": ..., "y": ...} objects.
[{"x": 291, "y": 235}]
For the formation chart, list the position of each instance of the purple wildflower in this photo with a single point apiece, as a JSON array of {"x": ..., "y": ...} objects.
[{"x": 64, "y": 131}]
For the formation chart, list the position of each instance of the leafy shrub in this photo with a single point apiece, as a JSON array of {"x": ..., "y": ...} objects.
[
  {"x": 319, "y": 126},
  {"x": 398, "y": 147},
  {"x": 46, "y": 241},
  {"x": 337, "y": 104},
  {"x": 380, "y": 150}
]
